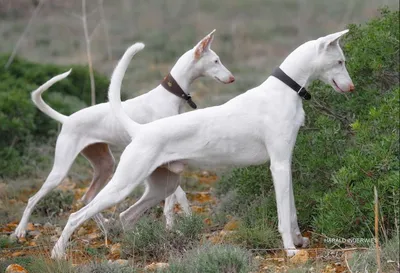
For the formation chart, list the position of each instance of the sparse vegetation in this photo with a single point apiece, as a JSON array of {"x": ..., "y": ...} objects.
[
  {"x": 213, "y": 258},
  {"x": 348, "y": 145},
  {"x": 55, "y": 202},
  {"x": 152, "y": 241}
]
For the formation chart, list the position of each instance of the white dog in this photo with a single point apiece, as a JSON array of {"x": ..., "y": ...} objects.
[
  {"x": 258, "y": 125},
  {"x": 91, "y": 130}
]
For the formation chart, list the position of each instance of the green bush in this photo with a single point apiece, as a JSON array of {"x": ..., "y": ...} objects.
[
  {"x": 54, "y": 203},
  {"x": 366, "y": 261},
  {"x": 100, "y": 267},
  {"x": 213, "y": 258},
  {"x": 371, "y": 160},
  {"x": 348, "y": 144},
  {"x": 151, "y": 241},
  {"x": 21, "y": 122}
]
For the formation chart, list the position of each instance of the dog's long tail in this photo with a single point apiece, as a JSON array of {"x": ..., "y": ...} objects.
[
  {"x": 114, "y": 91},
  {"x": 39, "y": 102}
]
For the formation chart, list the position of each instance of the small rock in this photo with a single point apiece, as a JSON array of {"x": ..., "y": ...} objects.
[
  {"x": 93, "y": 236},
  {"x": 205, "y": 173},
  {"x": 58, "y": 231},
  {"x": 258, "y": 258},
  {"x": 15, "y": 268},
  {"x": 34, "y": 233},
  {"x": 115, "y": 249},
  {"x": 30, "y": 227},
  {"x": 120, "y": 262},
  {"x": 329, "y": 269},
  {"x": 300, "y": 258},
  {"x": 48, "y": 226},
  {"x": 156, "y": 266},
  {"x": 54, "y": 238},
  {"x": 231, "y": 225},
  {"x": 81, "y": 231},
  {"x": 18, "y": 254},
  {"x": 224, "y": 233}
]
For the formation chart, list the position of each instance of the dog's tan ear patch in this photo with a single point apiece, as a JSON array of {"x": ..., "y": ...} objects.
[
  {"x": 200, "y": 47},
  {"x": 203, "y": 45}
]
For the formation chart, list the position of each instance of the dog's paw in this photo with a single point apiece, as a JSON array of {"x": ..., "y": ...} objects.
[
  {"x": 291, "y": 252},
  {"x": 301, "y": 241},
  {"x": 18, "y": 233},
  {"x": 306, "y": 242},
  {"x": 57, "y": 253}
]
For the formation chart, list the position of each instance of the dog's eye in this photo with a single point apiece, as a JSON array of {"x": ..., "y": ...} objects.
[
  {"x": 216, "y": 61},
  {"x": 340, "y": 62}
]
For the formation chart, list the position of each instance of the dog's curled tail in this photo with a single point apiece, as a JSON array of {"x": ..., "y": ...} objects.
[
  {"x": 39, "y": 102},
  {"x": 114, "y": 91}
]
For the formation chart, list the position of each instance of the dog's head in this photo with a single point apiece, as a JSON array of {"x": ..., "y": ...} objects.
[
  {"x": 208, "y": 63},
  {"x": 331, "y": 63}
]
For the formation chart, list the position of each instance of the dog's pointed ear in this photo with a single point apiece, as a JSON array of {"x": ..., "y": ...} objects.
[
  {"x": 330, "y": 40},
  {"x": 203, "y": 45}
]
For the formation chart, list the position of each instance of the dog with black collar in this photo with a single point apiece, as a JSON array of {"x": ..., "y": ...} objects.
[{"x": 250, "y": 129}]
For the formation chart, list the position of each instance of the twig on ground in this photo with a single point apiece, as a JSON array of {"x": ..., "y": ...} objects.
[
  {"x": 347, "y": 263},
  {"x": 378, "y": 254}
]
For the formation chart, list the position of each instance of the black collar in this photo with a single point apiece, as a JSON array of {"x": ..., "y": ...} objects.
[
  {"x": 282, "y": 76},
  {"x": 173, "y": 87}
]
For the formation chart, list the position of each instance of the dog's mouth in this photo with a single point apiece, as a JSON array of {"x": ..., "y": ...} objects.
[
  {"x": 337, "y": 86},
  {"x": 218, "y": 79}
]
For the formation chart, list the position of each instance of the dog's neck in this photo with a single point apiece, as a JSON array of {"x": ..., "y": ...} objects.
[
  {"x": 184, "y": 71},
  {"x": 299, "y": 65}
]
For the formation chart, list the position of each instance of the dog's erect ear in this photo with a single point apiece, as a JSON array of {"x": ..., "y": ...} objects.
[
  {"x": 330, "y": 40},
  {"x": 203, "y": 45}
]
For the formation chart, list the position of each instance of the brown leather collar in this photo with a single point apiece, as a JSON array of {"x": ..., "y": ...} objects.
[{"x": 173, "y": 87}]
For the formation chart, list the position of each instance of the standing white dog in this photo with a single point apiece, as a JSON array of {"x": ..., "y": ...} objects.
[
  {"x": 90, "y": 130},
  {"x": 258, "y": 125}
]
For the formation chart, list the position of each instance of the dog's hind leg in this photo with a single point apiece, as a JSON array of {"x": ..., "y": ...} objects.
[
  {"x": 179, "y": 196},
  {"x": 160, "y": 184},
  {"x": 67, "y": 148},
  {"x": 126, "y": 178},
  {"x": 102, "y": 161}
]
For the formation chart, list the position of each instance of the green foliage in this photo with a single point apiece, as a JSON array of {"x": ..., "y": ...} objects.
[
  {"x": 366, "y": 261},
  {"x": 348, "y": 145},
  {"x": 213, "y": 258},
  {"x": 100, "y": 267},
  {"x": 23, "y": 261},
  {"x": 150, "y": 239},
  {"x": 21, "y": 122},
  {"x": 6, "y": 242},
  {"x": 373, "y": 51},
  {"x": 261, "y": 236},
  {"x": 54, "y": 203},
  {"x": 371, "y": 160}
]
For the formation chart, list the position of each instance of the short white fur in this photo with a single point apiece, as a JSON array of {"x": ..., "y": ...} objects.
[
  {"x": 252, "y": 128},
  {"x": 90, "y": 130}
]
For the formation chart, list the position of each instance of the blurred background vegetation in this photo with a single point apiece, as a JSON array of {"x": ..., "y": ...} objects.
[{"x": 349, "y": 143}]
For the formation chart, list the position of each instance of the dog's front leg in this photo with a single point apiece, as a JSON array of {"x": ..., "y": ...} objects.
[
  {"x": 282, "y": 177},
  {"x": 298, "y": 239}
]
